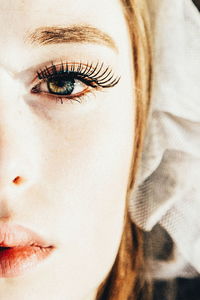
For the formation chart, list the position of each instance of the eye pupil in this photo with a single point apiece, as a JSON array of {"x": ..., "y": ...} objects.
[{"x": 61, "y": 86}]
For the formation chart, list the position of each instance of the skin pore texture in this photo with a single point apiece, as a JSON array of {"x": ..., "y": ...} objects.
[{"x": 73, "y": 158}]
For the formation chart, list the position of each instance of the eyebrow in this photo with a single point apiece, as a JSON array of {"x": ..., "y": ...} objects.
[{"x": 72, "y": 34}]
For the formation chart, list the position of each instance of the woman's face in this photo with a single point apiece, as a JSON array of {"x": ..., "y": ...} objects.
[{"x": 67, "y": 131}]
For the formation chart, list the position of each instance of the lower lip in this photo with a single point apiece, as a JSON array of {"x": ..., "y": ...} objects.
[{"x": 16, "y": 261}]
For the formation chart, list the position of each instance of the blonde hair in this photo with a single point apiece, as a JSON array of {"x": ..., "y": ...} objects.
[{"x": 123, "y": 281}]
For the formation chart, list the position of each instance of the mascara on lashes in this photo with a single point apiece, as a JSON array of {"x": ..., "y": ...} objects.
[{"x": 89, "y": 74}]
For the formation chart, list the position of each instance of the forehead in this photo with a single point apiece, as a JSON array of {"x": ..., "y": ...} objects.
[{"x": 24, "y": 14}]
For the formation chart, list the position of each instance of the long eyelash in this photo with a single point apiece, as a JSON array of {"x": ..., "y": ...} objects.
[{"x": 92, "y": 75}]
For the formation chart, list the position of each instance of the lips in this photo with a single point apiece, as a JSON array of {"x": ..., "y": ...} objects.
[{"x": 20, "y": 250}]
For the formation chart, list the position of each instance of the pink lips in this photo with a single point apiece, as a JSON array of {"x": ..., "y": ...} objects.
[{"x": 20, "y": 250}]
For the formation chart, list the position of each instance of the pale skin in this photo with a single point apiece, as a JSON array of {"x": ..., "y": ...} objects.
[{"x": 73, "y": 159}]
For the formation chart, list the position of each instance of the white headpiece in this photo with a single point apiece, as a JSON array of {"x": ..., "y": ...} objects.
[{"x": 168, "y": 189}]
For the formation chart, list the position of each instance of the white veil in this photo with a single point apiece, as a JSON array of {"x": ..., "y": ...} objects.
[{"x": 168, "y": 187}]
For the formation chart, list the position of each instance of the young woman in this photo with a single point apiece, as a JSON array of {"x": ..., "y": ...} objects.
[{"x": 74, "y": 97}]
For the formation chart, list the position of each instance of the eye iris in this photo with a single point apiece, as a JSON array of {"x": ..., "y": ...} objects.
[{"x": 61, "y": 86}]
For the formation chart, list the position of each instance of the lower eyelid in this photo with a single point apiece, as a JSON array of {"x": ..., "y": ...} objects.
[
  {"x": 75, "y": 98},
  {"x": 52, "y": 96},
  {"x": 68, "y": 96}
]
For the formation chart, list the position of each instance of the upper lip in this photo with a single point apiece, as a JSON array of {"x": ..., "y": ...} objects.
[{"x": 12, "y": 235}]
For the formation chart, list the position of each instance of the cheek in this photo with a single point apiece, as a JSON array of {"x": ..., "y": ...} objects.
[{"x": 84, "y": 178}]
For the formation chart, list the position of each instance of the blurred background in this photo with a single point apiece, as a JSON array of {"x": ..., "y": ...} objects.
[
  {"x": 197, "y": 3},
  {"x": 179, "y": 288}
]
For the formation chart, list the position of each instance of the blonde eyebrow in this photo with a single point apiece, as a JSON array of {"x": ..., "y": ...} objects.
[{"x": 72, "y": 34}]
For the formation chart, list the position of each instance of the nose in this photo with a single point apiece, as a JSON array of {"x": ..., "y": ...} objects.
[{"x": 18, "y": 145}]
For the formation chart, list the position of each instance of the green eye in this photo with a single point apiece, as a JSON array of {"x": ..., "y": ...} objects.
[{"x": 61, "y": 86}]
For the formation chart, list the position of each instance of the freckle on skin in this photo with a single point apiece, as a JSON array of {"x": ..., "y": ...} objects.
[{"x": 17, "y": 180}]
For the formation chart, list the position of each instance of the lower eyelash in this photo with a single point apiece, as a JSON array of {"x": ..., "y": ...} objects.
[{"x": 63, "y": 100}]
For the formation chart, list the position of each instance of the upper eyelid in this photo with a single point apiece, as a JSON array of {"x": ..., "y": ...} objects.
[{"x": 27, "y": 75}]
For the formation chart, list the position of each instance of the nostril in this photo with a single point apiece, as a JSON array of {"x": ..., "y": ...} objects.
[{"x": 18, "y": 180}]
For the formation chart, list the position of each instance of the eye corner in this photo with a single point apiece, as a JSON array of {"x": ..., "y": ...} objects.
[{"x": 35, "y": 89}]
